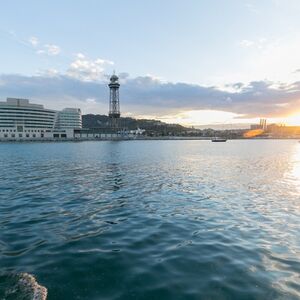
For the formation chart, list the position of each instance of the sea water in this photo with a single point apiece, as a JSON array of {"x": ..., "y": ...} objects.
[{"x": 150, "y": 220}]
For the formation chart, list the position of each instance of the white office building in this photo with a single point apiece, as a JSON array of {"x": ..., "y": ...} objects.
[
  {"x": 22, "y": 120},
  {"x": 69, "y": 118}
]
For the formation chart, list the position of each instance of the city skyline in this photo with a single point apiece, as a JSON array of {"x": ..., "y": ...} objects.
[{"x": 192, "y": 63}]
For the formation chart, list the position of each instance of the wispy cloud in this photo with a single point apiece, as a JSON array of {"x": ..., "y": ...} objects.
[
  {"x": 33, "y": 41},
  {"x": 48, "y": 73},
  {"x": 49, "y": 49},
  {"x": 260, "y": 43},
  {"x": 246, "y": 43}
]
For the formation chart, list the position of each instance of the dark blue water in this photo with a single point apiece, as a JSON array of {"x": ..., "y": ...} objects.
[{"x": 152, "y": 219}]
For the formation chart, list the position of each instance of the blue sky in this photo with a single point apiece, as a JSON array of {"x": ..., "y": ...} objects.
[{"x": 187, "y": 56}]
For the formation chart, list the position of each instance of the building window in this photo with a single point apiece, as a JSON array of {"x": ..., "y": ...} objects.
[
  {"x": 20, "y": 135},
  {"x": 27, "y": 135},
  {"x": 5, "y": 135},
  {"x": 34, "y": 135},
  {"x": 13, "y": 135}
]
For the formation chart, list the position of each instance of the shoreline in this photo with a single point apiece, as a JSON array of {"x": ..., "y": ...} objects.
[{"x": 75, "y": 140}]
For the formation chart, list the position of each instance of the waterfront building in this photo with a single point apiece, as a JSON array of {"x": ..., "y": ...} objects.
[
  {"x": 69, "y": 118},
  {"x": 137, "y": 131},
  {"x": 22, "y": 120}
]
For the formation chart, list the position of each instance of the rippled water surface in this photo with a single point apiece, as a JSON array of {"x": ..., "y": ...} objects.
[{"x": 152, "y": 219}]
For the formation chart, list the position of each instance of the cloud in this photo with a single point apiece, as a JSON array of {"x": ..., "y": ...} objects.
[
  {"x": 90, "y": 100},
  {"x": 260, "y": 43},
  {"x": 45, "y": 49},
  {"x": 85, "y": 69},
  {"x": 145, "y": 95},
  {"x": 48, "y": 72},
  {"x": 33, "y": 41},
  {"x": 246, "y": 43},
  {"x": 49, "y": 49},
  {"x": 52, "y": 49}
]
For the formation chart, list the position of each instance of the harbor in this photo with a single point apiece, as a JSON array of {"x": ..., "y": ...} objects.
[{"x": 150, "y": 150}]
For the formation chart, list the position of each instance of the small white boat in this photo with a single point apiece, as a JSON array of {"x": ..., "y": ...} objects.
[{"x": 218, "y": 140}]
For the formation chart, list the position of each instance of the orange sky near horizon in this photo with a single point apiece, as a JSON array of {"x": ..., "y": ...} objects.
[{"x": 214, "y": 117}]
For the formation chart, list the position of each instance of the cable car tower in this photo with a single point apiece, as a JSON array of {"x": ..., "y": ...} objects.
[{"x": 114, "y": 102}]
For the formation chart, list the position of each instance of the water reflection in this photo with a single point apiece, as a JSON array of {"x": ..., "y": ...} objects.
[
  {"x": 293, "y": 175},
  {"x": 114, "y": 176}
]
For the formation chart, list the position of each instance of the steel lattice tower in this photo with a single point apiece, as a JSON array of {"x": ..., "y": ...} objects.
[{"x": 114, "y": 103}]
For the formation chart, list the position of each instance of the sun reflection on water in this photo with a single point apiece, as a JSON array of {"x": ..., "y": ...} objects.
[{"x": 294, "y": 174}]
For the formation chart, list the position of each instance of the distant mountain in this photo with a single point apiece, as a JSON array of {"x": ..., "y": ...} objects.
[
  {"x": 155, "y": 126},
  {"x": 158, "y": 128}
]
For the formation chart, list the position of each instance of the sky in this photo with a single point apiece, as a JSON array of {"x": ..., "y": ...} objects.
[{"x": 192, "y": 62}]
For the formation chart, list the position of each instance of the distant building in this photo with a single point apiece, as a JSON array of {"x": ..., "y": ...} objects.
[
  {"x": 279, "y": 130},
  {"x": 282, "y": 131},
  {"x": 22, "y": 120},
  {"x": 137, "y": 131},
  {"x": 255, "y": 126},
  {"x": 262, "y": 125}
]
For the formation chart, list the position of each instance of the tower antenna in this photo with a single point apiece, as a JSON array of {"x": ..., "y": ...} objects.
[{"x": 114, "y": 102}]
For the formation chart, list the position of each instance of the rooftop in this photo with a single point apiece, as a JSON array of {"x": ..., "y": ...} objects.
[{"x": 20, "y": 103}]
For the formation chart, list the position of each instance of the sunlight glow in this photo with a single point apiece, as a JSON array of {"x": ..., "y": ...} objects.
[
  {"x": 293, "y": 120},
  {"x": 294, "y": 175},
  {"x": 253, "y": 133},
  {"x": 201, "y": 117},
  {"x": 218, "y": 118}
]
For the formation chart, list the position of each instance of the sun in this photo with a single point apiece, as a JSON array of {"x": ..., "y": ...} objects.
[{"x": 293, "y": 120}]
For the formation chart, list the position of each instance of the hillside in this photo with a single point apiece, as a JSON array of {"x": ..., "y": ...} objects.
[
  {"x": 151, "y": 126},
  {"x": 158, "y": 128}
]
